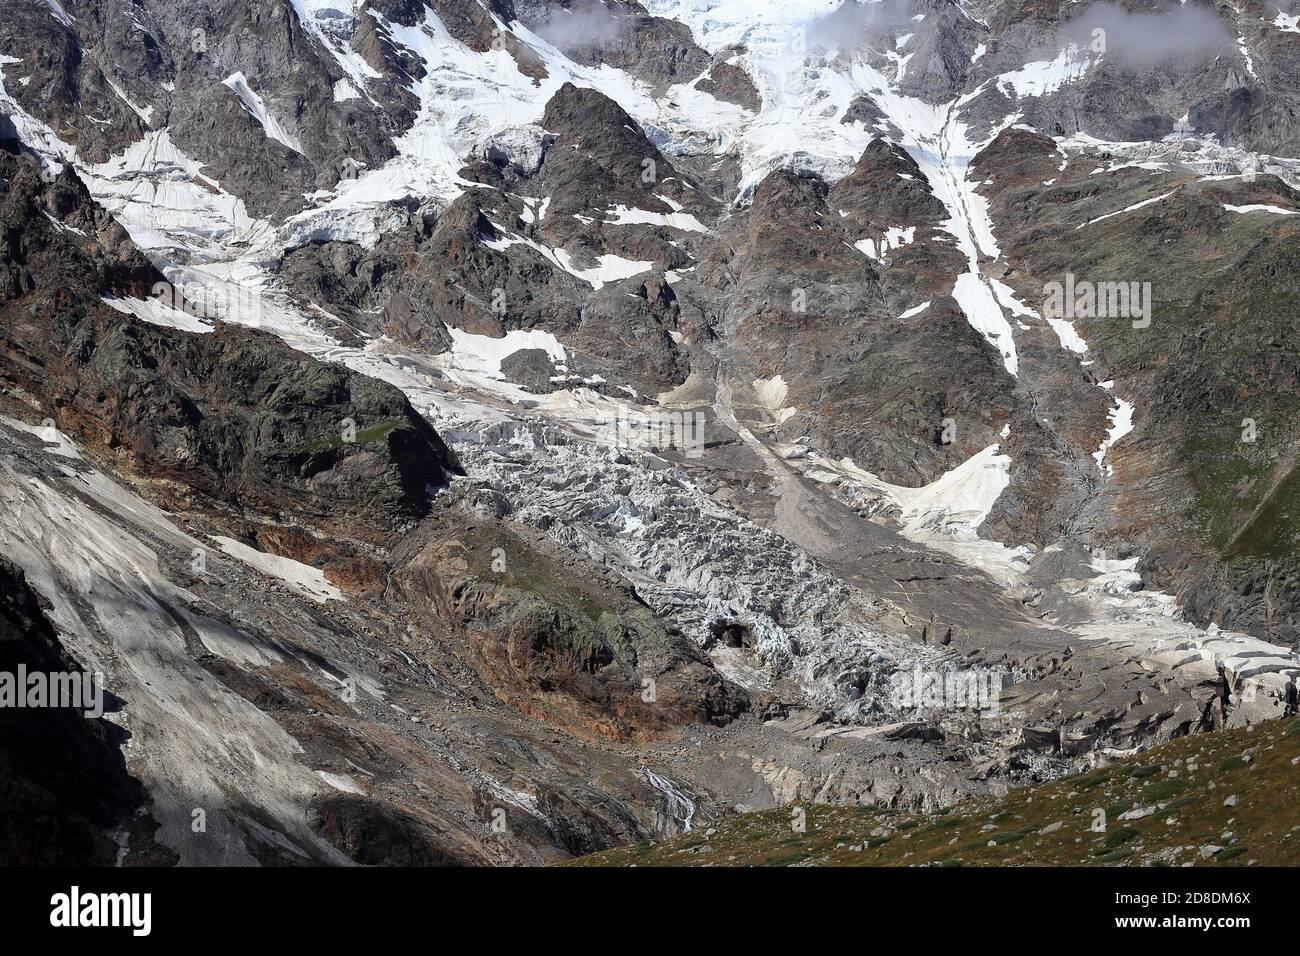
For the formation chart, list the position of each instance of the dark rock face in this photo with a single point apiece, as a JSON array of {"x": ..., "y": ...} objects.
[
  {"x": 531, "y": 368},
  {"x": 471, "y": 23},
  {"x": 601, "y": 153},
  {"x": 1155, "y": 73},
  {"x": 67, "y": 81},
  {"x": 454, "y": 280},
  {"x": 354, "y": 282},
  {"x": 617, "y": 33},
  {"x": 942, "y": 49},
  {"x": 375, "y": 835},
  {"x": 566, "y": 645},
  {"x": 235, "y": 417},
  {"x": 239, "y": 418},
  {"x": 826, "y": 316},
  {"x": 476, "y": 266},
  {"x": 86, "y": 256},
  {"x": 171, "y": 62},
  {"x": 63, "y": 780},
  {"x": 730, "y": 83},
  {"x": 887, "y": 187},
  {"x": 1257, "y": 595}
]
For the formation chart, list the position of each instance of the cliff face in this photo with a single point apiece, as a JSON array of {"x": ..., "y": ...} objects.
[
  {"x": 234, "y": 417},
  {"x": 63, "y": 779}
]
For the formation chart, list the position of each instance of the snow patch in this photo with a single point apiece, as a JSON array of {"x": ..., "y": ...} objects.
[
  {"x": 482, "y": 355},
  {"x": 340, "y": 782},
  {"x": 772, "y": 393},
  {"x": 609, "y": 268},
  {"x": 945, "y": 514},
  {"x": 158, "y": 312},
  {"x": 255, "y": 106},
  {"x": 977, "y": 300},
  {"x": 1064, "y": 328},
  {"x": 57, "y": 11},
  {"x": 144, "y": 112},
  {"x": 56, "y": 442},
  {"x": 1260, "y": 207},
  {"x": 1132, "y": 208},
  {"x": 624, "y": 216},
  {"x": 959, "y": 501},
  {"x": 1044, "y": 76},
  {"x": 895, "y": 237},
  {"x": 1121, "y": 423},
  {"x": 308, "y": 581}
]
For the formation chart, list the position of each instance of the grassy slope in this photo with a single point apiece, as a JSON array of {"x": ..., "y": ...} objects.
[
  {"x": 1260, "y": 767},
  {"x": 1222, "y": 346}
]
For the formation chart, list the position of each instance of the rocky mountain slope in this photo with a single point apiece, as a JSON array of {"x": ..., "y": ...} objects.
[
  {"x": 1222, "y": 800},
  {"x": 492, "y": 431},
  {"x": 62, "y": 776}
]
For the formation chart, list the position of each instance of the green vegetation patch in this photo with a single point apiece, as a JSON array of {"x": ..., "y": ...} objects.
[
  {"x": 1163, "y": 790},
  {"x": 1120, "y": 836},
  {"x": 1265, "y": 818}
]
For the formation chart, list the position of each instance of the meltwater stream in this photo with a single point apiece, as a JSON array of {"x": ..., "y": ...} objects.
[{"x": 680, "y": 807}]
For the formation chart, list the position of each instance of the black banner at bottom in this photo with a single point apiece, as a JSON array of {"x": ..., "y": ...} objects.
[{"x": 334, "y": 907}]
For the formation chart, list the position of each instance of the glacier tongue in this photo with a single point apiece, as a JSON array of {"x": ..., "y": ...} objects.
[{"x": 694, "y": 562}]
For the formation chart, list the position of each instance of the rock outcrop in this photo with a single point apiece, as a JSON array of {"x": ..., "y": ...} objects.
[{"x": 63, "y": 779}]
